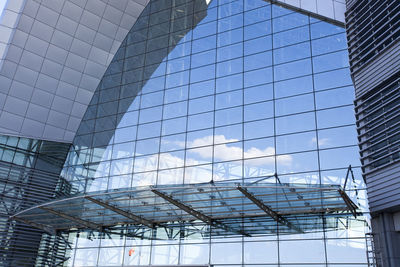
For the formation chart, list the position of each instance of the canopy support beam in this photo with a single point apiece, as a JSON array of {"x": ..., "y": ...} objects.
[
  {"x": 273, "y": 214},
  {"x": 40, "y": 226},
  {"x": 352, "y": 207},
  {"x": 202, "y": 217},
  {"x": 84, "y": 223},
  {"x": 124, "y": 213}
]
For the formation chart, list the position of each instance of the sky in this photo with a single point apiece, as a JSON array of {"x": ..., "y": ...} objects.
[{"x": 2, "y": 4}]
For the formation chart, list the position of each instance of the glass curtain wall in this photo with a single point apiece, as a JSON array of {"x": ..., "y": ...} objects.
[{"x": 221, "y": 90}]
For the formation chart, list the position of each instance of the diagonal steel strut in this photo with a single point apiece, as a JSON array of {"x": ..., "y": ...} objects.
[
  {"x": 202, "y": 217},
  {"x": 85, "y": 223},
  {"x": 124, "y": 213},
  {"x": 273, "y": 214},
  {"x": 350, "y": 205}
]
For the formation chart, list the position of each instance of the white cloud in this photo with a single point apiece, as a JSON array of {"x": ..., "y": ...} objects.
[
  {"x": 321, "y": 141},
  {"x": 231, "y": 151}
]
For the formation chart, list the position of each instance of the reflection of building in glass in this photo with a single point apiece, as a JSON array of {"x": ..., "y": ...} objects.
[
  {"x": 373, "y": 37},
  {"x": 250, "y": 100},
  {"x": 29, "y": 174}
]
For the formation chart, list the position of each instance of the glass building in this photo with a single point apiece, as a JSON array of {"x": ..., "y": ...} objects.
[{"x": 216, "y": 93}]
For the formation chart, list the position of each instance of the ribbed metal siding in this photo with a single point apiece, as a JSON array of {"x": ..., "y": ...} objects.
[
  {"x": 378, "y": 121},
  {"x": 372, "y": 26},
  {"x": 382, "y": 188},
  {"x": 373, "y": 33},
  {"x": 384, "y": 65}
]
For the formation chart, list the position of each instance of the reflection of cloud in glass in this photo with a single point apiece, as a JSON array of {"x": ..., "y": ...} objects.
[
  {"x": 227, "y": 152},
  {"x": 321, "y": 141},
  {"x": 170, "y": 164}
]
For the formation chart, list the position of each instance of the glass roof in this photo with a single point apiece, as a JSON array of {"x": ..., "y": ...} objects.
[{"x": 224, "y": 208}]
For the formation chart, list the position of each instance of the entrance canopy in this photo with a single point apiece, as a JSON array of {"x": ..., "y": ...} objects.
[{"x": 217, "y": 208}]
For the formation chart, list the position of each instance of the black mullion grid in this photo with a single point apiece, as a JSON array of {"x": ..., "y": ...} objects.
[
  {"x": 258, "y": 138},
  {"x": 274, "y": 119},
  {"x": 251, "y": 39},
  {"x": 213, "y": 130},
  {"x": 162, "y": 104},
  {"x": 191, "y": 16},
  {"x": 287, "y": 79},
  {"x": 215, "y": 101},
  {"x": 255, "y": 120},
  {"x": 137, "y": 127},
  {"x": 317, "y": 142},
  {"x": 330, "y": 35},
  {"x": 187, "y": 99},
  {"x": 242, "y": 139},
  {"x": 118, "y": 104}
]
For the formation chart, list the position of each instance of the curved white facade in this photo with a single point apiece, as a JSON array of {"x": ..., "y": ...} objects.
[{"x": 53, "y": 55}]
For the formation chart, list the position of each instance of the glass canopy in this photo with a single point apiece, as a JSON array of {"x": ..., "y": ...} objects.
[{"x": 212, "y": 208}]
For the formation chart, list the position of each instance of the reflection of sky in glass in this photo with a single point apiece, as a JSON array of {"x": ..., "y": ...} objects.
[
  {"x": 251, "y": 91},
  {"x": 199, "y": 83},
  {"x": 2, "y": 5}
]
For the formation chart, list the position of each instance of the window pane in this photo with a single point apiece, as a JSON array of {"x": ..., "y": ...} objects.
[
  {"x": 342, "y": 136},
  {"x": 257, "y": 30},
  {"x": 294, "y": 86},
  {"x": 229, "y": 99},
  {"x": 202, "y": 89},
  {"x": 294, "y": 104},
  {"x": 332, "y": 79},
  {"x": 331, "y": 61},
  {"x": 256, "y": 77},
  {"x": 258, "y": 93},
  {"x": 336, "y": 97},
  {"x": 293, "y": 52},
  {"x": 329, "y": 44},
  {"x": 257, "y": 45},
  {"x": 200, "y": 121},
  {"x": 219, "y": 255},
  {"x": 290, "y": 252},
  {"x": 260, "y": 252},
  {"x": 258, "y": 111},
  {"x": 258, "y": 129},
  {"x": 228, "y": 116},
  {"x": 296, "y": 142},
  {"x": 335, "y": 117},
  {"x": 201, "y": 104},
  {"x": 295, "y": 123},
  {"x": 290, "y": 21},
  {"x": 174, "y": 126},
  {"x": 293, "y": 36},
  {"x": 175, "y": 110},
  {"x": 292, "y": 70},
  {"x": 258, "y": 61}
]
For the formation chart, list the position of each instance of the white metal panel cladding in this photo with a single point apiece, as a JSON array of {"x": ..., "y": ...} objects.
[
  {"x": 53, "y": 55},
  {"x": 332, "y": 10}
]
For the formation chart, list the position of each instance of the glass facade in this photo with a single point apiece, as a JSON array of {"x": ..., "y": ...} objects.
[{"x": 212, "y": 91}]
